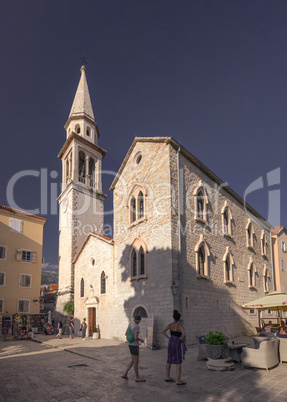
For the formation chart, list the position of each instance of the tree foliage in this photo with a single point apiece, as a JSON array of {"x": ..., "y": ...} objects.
[{"x": 69, "y": 307}]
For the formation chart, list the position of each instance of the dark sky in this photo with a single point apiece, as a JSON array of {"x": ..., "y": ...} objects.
[{"x": 211, "y": 74}]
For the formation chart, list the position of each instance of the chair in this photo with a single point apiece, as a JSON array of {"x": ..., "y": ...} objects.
[
  {"x": 258, "y": 339},
  {"x": 283, "y": 350},
  {"x": 201, "y": 348},
  {"x": 266, "y": 356}
]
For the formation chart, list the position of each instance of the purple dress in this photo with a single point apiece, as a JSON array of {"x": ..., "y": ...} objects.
[{"x": 176, "y": 348}]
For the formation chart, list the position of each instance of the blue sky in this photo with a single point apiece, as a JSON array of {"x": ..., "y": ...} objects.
[{"x": 211, "y": 74}]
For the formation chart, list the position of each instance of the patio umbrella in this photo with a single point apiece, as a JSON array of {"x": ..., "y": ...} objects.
[{"x": 274, "y": 301}]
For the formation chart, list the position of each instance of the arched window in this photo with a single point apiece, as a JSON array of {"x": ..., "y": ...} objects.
[
  {"x": 141, "y": 311},
  {"x": 201, "y": 260},
  {"x": 88, "y": 132},
  {"x": 82, "y": 288},
  {"x": 202, "y": 255},
  {"x": 141, "y": 204},
  {"x": 263, "y": 244},
  {"x": 249, "y": 235},
  {"x": 142, "y": 261},
  {"x": 137, "y": 259},
  {"x": 92, "y": 172},
  {"x": 227, "y": 269},
  {"x": 82, "y": 167},
  {"x": 134, "y": 264},
  {"x": 226, "y": 220},
  {"x": 133, "y": 210},
  {"x": 103, "y": 282},
  {"x": 251, "y": 274},
  {"x": 200, "y": 204},
  {"x": 78, "y": 129}
]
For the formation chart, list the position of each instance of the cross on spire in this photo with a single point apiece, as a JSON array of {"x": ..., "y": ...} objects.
[{"x": 84, "y": 59}]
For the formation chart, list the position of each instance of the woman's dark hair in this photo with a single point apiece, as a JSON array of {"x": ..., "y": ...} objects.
[{"x": 176, "y": 315}]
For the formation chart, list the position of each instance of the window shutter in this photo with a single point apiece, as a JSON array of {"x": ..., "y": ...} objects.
[
  {"x": 34, "y": 256},
  {"x": 19, "y": 255}
]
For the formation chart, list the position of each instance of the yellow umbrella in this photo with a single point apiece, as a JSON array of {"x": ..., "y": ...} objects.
[{"x": 274, "y": 301}]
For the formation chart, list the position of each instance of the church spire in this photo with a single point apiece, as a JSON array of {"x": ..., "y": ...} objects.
[{"x": 82, "y": 105}]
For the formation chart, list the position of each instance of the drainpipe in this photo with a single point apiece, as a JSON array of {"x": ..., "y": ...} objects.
[
  {"x": 272, "y": 263},
  {"x": 179, "y": 231}
]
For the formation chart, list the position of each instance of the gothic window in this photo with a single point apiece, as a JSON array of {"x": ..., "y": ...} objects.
[
  {"x": 251, "y": 275},
  {"x": 142, "y": 262},
  {"x": 82, "y": 288},
  {"x": 138, "y": 260},
  {"x": 92, "y": 172},
  {"x": 202, "y": 255},
  {"x": 103, "y": 283},
  {"x": 88, "y": 131},
  {"x": 263, "y": 244},
  {"x": 82, "y": 167},
  {"x": 200, "y": 204},
  {"x": 201, "y": 261},
  {"x": 134, "y": 264},
  {"x": 133, "y": 209},
  {"x": 266, "y": 279},
  {"x": 67, "y": 170},
  {"x": 250, "y": 235},
  {"x": 226, "y": 220},
  {"x": 136, "y": 204},
  {"x": 228, "y": 267},
  {"x": 141, "y": 204}
]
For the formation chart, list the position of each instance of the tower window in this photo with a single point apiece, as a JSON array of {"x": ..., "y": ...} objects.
[
  {"x": 78, "y": 129},
  {"x": 103, "y": 283},
  {"x": 82, "y": 167},
  {"x": 88, "y": 132},
  {"x": 82, "y": 288}
]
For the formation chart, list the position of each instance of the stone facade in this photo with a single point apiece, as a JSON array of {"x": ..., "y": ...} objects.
[{"x": 156, "y": 169}]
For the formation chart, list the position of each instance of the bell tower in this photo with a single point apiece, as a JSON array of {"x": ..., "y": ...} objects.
[{"x": 81, "y": 202}]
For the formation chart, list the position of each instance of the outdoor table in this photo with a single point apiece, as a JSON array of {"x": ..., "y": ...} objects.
[{"x": 235, "y": 350}]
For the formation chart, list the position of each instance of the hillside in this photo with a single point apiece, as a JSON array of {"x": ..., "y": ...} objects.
[{"x": 49, "y": 277}]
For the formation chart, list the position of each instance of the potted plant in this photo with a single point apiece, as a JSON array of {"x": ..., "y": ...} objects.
[
  {"x": 216, "y": 347},
  {"x": 96, "y": 333}
]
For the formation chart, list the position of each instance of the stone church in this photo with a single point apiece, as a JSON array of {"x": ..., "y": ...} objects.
[{"x": 182, "y": 238}]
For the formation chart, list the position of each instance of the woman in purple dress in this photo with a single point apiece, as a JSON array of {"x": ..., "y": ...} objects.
[{"x": 176, "y": 347}]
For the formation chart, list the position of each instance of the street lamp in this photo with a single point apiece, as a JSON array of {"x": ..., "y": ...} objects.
[{"x": 174, "y": 288}]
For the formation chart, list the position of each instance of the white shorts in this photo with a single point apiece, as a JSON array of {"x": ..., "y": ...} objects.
[{"x": 60, "y": 330}]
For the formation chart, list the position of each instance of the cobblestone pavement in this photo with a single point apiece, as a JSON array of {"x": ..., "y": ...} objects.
[{"x": 73, "y": 370}]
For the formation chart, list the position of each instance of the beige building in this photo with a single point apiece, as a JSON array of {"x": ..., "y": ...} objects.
[
  {"x": 279, "y": 245},
  {"x": 182, "y": 239},
  {"x": 21, "y": 242}
]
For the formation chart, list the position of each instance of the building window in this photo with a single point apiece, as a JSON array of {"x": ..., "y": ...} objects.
[
  {"x": 92, "y": 262},
  {"x": 141, "y": 311},
  {"x": 103, "y": 282},
  {"x": 202, "y": 255},
  {"x": 228, "y": 267},
  {"x": 226, "y": 220},
  {"x": 282, "y": 265},
  {"x": 1, "y": 305},
  {"x": 78, "y": 129},
  {"x": 88, "y": 131},
  {"x": 137, "y": 204},
  {"x": 25, "y": 280},
  {"x": 138, "y": 260},
  {"x": 3, "y": 252},
  {"x": 251, "y": 275},
  {"x": 82, "y": 167},
  {"x": 26, "y": 256},
  {"x": 263, "y": 244},
  {"x": 23, "y": 306},
  {"x": 82, "y": 288},
  {"x": 283, "y": 244},
  {"x": 2, "y": 278},
  {"x": 15, "y": 225},
  {"x": 249, "y": 235},
  {"x": 266, "y": 280},
  {"x": 92, "y": 172},
  {"x": 200, "y": 203}
]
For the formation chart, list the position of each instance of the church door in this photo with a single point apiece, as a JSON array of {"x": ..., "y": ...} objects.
[{"x": 92, "y": 320}]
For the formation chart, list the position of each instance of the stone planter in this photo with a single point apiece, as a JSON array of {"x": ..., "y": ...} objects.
[
  {"x": 217, "y": 351},
  {"x": 96, "y": 335}
]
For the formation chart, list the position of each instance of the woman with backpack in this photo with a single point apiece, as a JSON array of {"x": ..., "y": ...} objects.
[{"x": 132, "y": 334}]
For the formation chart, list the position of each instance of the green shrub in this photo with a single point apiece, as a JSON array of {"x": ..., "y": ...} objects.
[
  {"x": 69, "y": 307},
  {"x": 215, "y": 338}
]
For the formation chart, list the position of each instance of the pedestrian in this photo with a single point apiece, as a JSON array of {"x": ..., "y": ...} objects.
[
  {"x": 84, "y": 329},
  {"x": 60, "y": 330},
  {"x": 72, "y": 328},
  {"x": 134, "y": 329},
  {"x": 176, "y": 347}
]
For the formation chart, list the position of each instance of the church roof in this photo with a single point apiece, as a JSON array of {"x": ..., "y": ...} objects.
[
  {"x": 97, "y": 236},
  {"x": 82, "y": 105}
]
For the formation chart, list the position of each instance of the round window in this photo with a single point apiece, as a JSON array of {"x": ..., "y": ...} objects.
[{"x": 137, "y": 158}]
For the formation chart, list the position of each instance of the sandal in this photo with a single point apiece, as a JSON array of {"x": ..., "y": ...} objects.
[
  {"x": 181, "y": 383},
  {"x": 169, "y": 380}
]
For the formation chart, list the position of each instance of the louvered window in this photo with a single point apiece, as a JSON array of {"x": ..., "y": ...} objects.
[{"x": 25, "y": 280}]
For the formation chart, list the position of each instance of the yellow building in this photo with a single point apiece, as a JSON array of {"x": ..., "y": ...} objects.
[
  {"x": 279, "y": 248},
  {"x": 21, "y": 242}
]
